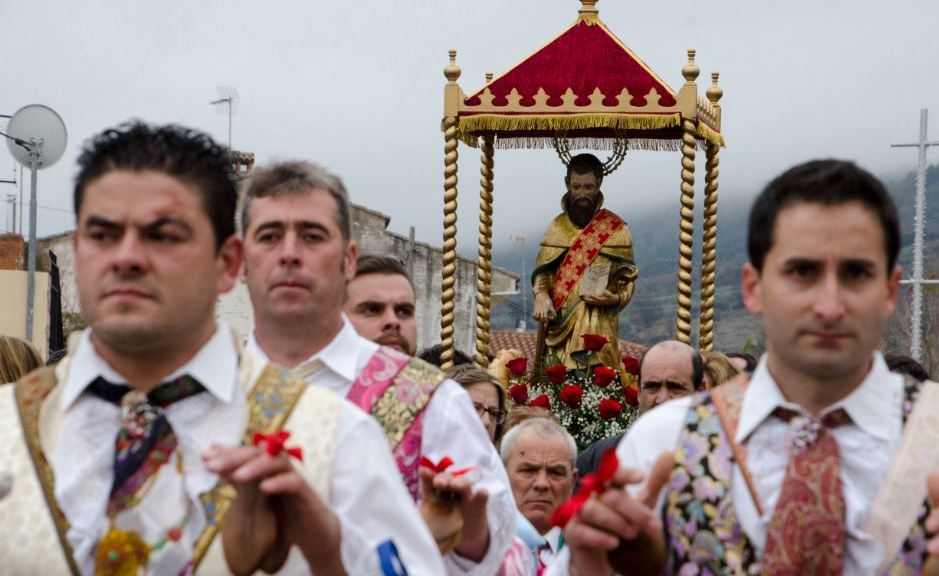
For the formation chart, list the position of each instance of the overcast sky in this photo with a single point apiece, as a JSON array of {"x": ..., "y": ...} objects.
[{"x": 358, "y": 87}]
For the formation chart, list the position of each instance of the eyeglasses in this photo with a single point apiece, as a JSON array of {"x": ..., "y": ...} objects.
[{"x": 496, "y": 415}]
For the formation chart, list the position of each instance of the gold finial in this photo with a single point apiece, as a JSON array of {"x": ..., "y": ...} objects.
[
  {"x": 452, "y": 71},
  {"x": 691, "y": 70},
  {"x": 488, "y": 77},
  {"x": 715, "y": 92},
  {"x": 588, "y": 11}
]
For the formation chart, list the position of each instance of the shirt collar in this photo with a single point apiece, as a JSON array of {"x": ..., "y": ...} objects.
[
  {"x": 341, "y": 355},
  {"x": 553, "y": 538},
  {"x": 215, "y": 366},
  {"x": 866, "y": 405}
]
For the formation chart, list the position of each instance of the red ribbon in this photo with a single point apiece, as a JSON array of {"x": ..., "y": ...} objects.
[
  {"x": 593, "y": 483},
  {"x": 274, "y": 444},
  {"x": 441, "y": 466}
]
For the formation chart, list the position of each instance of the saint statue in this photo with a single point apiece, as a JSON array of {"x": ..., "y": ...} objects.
[{"x": 585, "y": 274}]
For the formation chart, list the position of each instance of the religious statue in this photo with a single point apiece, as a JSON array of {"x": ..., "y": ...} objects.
[{"x": 585, "y": 274}]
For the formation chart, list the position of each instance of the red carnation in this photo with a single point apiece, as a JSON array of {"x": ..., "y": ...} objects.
[
  {"x": 541, "y": 402},
  {"x": 594, "y": 342},
  {"x": 631, "y": 364},
  {"x": 519, "y": 393},
  {"x": 556, "y": 373},
  {"x": 517, "y": 366},
  {"x": 631, "y": 396},
  {"x": 609, "y": 409},
  {"x": 603, "y": 375},
  {"x": 572, "y": 395}
]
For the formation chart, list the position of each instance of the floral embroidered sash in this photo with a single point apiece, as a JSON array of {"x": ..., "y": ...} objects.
[
  {"x": 581, "y": 253},
  {"x": 395, "y": 389},
  {"x": 704, "y": 535}
]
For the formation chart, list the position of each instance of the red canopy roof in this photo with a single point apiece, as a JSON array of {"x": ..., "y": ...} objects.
[
  {"x": 584, "y": 85},
  {"x": 585, "y": 57}
]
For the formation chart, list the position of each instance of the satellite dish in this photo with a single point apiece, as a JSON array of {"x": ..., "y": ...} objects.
[
  {"x": 38, "y": 129},
  {"x": 36, "y": 137}
]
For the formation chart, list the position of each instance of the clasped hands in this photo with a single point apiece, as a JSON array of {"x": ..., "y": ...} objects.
[{"x": 274, "y": 509}]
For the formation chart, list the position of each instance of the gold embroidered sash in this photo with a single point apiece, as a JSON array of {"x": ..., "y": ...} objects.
[{"x": 581, "y": 254}]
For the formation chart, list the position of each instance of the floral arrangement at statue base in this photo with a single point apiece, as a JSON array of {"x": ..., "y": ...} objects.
[{"x": 591, "y": 401}]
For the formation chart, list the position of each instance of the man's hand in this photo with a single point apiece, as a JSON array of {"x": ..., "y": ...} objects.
[
  {"x": 931, "y": 567},
  {"x": 302, "y": 518},
  {"x": 622, "y": 525},
  {"x": 544, "y": 308},
  {"x": 473, "y": 541},
  {"x": 606, "y": 299}
]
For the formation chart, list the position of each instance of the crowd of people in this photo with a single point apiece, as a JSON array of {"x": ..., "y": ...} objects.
[{"x": 325, "y": 444}]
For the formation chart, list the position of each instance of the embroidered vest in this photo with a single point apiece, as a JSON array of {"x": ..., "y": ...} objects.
[
  {"x": 704, "y": 535},
  {"x": 395, "y": 389},
  {"x": 270, "y": 404}
]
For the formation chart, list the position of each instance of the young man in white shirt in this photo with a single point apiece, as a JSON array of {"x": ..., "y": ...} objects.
[
  {"x": 299, "y": 257},
  {"x": 780, "y": 475},
  {"x": 129, "y": 433}
]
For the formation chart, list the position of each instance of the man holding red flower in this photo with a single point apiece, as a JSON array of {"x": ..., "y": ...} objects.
[
  {"x": 584, "y": 274},
  {"x": 820, "y": 462}
]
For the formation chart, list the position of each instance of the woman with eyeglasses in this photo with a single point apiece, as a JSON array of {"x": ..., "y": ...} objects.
[{"x": 488, "y": 397}]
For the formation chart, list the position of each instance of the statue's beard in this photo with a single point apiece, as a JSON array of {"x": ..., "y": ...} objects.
[{"x": 581, "y": 211}]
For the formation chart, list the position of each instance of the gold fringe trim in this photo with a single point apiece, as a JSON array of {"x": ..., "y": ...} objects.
[
  {"x": 710, "y": 135},
  {"x": 470, "y": 127},
  {"x": 586, "y": 143}
]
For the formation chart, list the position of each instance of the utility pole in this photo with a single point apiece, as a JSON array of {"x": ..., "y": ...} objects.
[
  {"x": 916, "y": 321},
  {"x": 519, "y": 240}
]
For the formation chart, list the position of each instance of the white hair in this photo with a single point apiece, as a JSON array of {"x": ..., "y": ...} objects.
[{"x": 542, "y": 426}]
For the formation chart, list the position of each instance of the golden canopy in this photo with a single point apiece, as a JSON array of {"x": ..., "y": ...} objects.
[{"x": 583, "y": 89}]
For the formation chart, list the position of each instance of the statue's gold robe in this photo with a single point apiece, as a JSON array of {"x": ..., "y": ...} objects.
[{"x": 576, "y": 318}]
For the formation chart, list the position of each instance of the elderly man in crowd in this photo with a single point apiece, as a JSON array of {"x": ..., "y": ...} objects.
[
  {"x": 668, "y": 370},
  {"x": 539, "y": 457}
]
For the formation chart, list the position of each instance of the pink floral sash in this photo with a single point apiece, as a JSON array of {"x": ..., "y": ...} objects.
[{"x": 395, "y": 389}]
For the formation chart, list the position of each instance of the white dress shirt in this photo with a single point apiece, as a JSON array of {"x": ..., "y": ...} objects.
[
  {"x": 451, "y": 428},
  {"x": 866, "y": 446},
  {"x": 369, "y": 507},
  {"x": 553, "y": 538}
]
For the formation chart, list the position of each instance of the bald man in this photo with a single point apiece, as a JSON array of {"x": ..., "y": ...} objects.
[{"x": 669, "y": 370}]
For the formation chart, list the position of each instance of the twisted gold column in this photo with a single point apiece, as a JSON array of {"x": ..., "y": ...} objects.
[
  {"x": 484, "y": 263},
  {"x": 448, "y": 287},
  {"x": 686, "y": 231},
  {"x": 709, "y": 251}
]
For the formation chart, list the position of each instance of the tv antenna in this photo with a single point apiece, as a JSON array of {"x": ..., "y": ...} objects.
[
  {"x": 226, "y": 103},
  {"x": 36, "y": 137}
]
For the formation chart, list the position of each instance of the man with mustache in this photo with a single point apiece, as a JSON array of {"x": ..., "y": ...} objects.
[
  {"x": 583, "y": 240},
  {"x": 118, "y": 450},
  {"x": 818, "y": 463},
  {"x": 299, "y": 258},
  {"x": 380, "y": 303}
]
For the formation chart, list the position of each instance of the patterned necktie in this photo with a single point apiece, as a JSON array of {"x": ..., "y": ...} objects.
[
  {"x": 145, "y": 440},
  {"x": 806, "y": 532}
]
